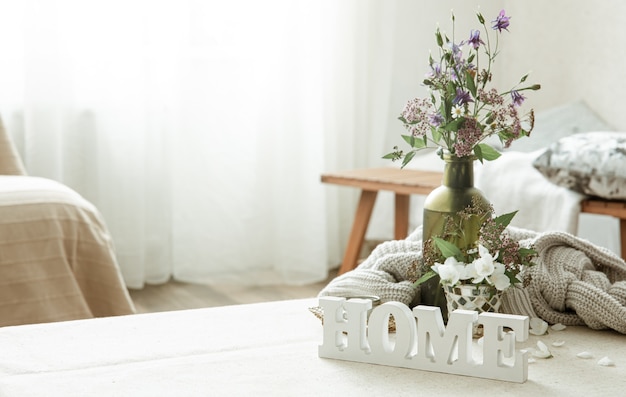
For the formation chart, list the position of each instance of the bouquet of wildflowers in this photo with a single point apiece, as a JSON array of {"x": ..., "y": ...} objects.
[
  {"x": 463, "y": 110},
  {"x": 496, "y": 259}
]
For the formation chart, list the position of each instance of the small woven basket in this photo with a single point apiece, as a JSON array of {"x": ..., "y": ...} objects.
[{"x": 480, "y": 298}]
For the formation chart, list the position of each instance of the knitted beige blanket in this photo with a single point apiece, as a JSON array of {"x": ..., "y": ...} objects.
[{"x": 574, "y": 282}]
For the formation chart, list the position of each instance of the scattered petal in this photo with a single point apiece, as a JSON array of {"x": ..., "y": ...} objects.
[
  {"x": 538, "y": 326},
  {"x": 606, "y": 362},
  {"x": 558, "y": 327},
  {"x": 584, "y": 355},
  {"x": 543, "y": 351},
  {"x": 558, "y": 343}
]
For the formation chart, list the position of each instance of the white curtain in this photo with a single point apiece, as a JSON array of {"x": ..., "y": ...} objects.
[{"x": 200, "y": 128}]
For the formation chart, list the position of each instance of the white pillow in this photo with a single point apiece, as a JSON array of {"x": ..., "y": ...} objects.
[{"x": 592, "y": 163}]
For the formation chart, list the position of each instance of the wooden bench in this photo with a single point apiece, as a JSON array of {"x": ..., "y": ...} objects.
[
  {"x": 405, "y": 182},
  {"x": 616, "y": 209}
]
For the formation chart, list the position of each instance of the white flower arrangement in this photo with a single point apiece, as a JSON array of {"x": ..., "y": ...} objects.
[
  {"x": 495, "y": 260},
  {"x": 483, "y": 269}
]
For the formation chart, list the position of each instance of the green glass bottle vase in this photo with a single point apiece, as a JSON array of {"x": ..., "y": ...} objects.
[{"x": 456, "y": 193}]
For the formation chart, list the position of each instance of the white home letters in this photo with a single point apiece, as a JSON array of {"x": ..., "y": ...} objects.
[{"x": 425, "y": 344}]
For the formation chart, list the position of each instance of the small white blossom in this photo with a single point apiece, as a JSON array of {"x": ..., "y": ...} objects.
[
  {"x": 469, "y": 272},
  {"x": 484, "y": 265},
  {"x": 450, "y": 271},
  {"x": 457, "y": 111},
  {"x": 500, "y": 280}
]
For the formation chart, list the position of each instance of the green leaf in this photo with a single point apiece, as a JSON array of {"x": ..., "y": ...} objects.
[
  {"x": 447, "y": 248},
  {"x": 505, "y": 219},
  {"x": 481, "y": 19},
  {"x": 454, "y": 124},
  {"x": 391, "y": 156},
  {"x": 436, "y": 133},
  {"x": 439, "y": 38},
  {"x": 471, "y": 86},
  {"x": 512, "y": 278},
  {"x": 478, "y": 153},
  {"x": 425, "y": 277},
  {"x": 523, "y": 78},
  {"x": 414, "y": 142},
  {"x": 490, "y": 118},
  {"x": 409, "y": 156},
  {"x": 526, "y": 251},
  {"x": 487, "y": 152}
]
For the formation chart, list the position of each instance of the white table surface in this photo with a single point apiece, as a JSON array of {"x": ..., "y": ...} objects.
[{"x": 262, "y": 349}]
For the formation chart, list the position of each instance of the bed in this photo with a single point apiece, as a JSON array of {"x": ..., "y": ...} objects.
[{"x": 57, "y": 258}]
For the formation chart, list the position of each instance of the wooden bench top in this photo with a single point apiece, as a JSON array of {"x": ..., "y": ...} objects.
[
  {"x": 604, "y": 207},
  {"x": 397, "y": 180}
]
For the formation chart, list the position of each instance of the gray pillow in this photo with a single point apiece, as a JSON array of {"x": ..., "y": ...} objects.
[{"x": 592, "y": 163}]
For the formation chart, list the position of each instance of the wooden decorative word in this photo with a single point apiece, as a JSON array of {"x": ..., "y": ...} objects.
[{"x": 425, "y": 344}]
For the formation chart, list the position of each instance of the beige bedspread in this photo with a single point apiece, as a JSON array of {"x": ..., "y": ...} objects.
[{"x": 56, "y": 256}]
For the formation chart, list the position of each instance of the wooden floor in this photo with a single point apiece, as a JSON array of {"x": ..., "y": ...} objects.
[{"x": 175, "y": 295}]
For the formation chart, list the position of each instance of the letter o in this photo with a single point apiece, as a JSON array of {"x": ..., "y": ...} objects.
[{"x": 378, "y": 330}]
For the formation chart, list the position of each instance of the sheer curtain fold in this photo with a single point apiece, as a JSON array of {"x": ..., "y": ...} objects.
[
  {"x": 200, "y": 128},
  {"x": 195, "y": 127}
]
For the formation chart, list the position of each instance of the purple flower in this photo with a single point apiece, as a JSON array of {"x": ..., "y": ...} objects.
[
  {"x": 475, "y": 40},
  {"x": 435, "y": 119},
  {"x": 501, "y": 22},
  {"x": 517, "y": 98},
  {"x": 457, "y": 50},
  {"x": 435, "y": 71},
  {"x": 462, "y": 97}
]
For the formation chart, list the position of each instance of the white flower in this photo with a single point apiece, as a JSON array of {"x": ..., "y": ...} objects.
[
  {"x": 500, "y": 280},
  {"x": 484, "y": 265},
  {"x": 457, "y": 111},
  {"x": 450, "y": 271},
  {"x": 469, "y": 271}
]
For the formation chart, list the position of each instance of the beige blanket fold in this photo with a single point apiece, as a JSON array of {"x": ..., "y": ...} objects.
[
  {"x": 57, "y": 259},
  {"x": 577, "y": 282},
  {"x": 574, "y": 282}
]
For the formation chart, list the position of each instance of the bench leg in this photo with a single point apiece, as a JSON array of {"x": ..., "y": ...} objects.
[
  {"x": 622, "y": 232},
  {"x": 401, "y": 227},
  {"x": 359, "y": 227}
]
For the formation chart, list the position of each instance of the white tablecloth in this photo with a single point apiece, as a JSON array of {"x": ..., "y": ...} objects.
[{"x": 262, "y": 349}]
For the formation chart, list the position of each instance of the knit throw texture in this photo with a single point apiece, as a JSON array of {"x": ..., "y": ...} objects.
[{"x": 574, "y": 282}]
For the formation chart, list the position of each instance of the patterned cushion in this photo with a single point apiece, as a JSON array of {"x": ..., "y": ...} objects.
[{"x": 592, "y": 163}]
